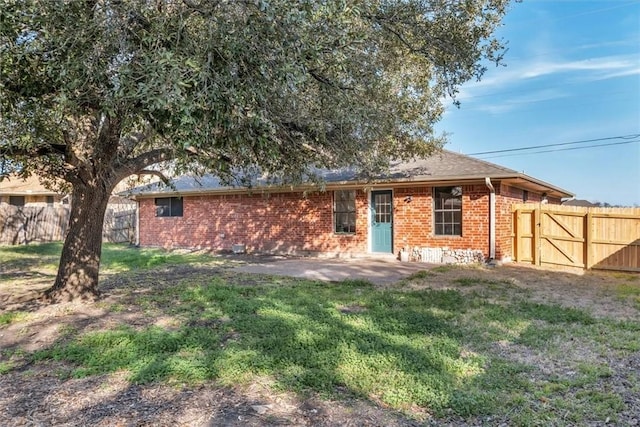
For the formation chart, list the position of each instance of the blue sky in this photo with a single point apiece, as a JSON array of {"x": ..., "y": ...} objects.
[{"x": 572, "y": 74}]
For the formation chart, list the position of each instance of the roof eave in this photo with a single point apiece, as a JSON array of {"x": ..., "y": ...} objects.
[
  {"x": 524, "y": 180},
  {"x": 518, "y": 179},
  {"x": 28, "y": 193}
]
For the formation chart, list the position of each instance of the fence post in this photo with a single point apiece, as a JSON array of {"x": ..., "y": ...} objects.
[
  {"x": 537, "y": 250},
  {"x": 516, "y": 234},
  {"x": 588, "y": 239}
]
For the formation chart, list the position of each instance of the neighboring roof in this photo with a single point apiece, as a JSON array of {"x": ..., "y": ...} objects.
[
  {"x": 579, "y": 202},
  {"x": 16, "y": 186},
  {"x": 443, "y": 167}
]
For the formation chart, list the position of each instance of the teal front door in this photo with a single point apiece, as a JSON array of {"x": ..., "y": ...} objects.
[{"x": 381, "y": 221}]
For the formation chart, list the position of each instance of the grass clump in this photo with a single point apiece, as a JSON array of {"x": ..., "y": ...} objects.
[
  {"x": 10, "y": 317},
  {"x": 630, "y": 292},
  {"x": 420, "y": 275},
  {"x": 444, "y": 268},
  {"x": 6, "y": 366}
]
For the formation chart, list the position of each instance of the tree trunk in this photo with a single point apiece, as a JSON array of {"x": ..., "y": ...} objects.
[{"x": 80, "y": 261}]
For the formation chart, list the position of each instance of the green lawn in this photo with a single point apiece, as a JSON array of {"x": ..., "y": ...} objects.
[
  {"x": 457, "y": 352},
  {"x": 116, "y": 257}
]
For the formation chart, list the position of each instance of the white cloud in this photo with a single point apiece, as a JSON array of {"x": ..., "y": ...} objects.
[
  {"x": 505, "y": 80},
  {"x": 598, "y": 64},
  {"x": 512, "y": 103},
  {"x": 623, "y": 73},
  {"x": 631, "y": 41}
]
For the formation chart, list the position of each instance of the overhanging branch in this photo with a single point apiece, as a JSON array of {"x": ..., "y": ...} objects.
[
  {"x": 326, "y": 81},
  {"x": 42, "y": 151},
  {"x": 159, "y": 174},
  {"x": 144, "y": 160}
]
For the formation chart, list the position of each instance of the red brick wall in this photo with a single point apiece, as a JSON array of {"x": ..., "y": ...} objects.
[
  {"x": 293, "y": 223},
  {"x": 282, "y": 222},
  {"x": 413, "y": 220}
]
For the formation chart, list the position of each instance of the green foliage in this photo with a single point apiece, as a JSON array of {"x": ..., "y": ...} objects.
[
  {"x": 44, "y": 256},
  {"x": 325, "y": 83},
  {"x": 94, "y": 91},
  {"x": 36, "y": 250},
  {"x": 554, "y": 314}
]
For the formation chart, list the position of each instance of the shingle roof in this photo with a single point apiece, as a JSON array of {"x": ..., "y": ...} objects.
[
  {"x": 447, "y": 164},
  {"x": 579, "y": 202},
  {"x": 443, "y": 166},
  {"x": 14, "y": 185}
]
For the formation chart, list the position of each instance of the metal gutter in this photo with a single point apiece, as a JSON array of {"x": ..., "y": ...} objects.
[
  {"x": 288, "y": 189},
  {"x": 517, "y": 179},
  {"x": 492, "y": 219}
]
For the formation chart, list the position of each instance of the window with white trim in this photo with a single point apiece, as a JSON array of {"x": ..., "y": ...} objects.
[
  {"x": 447, "y": 211},
  {"x": 169, "y": 206},
  {"x": 344, "y": 211}
]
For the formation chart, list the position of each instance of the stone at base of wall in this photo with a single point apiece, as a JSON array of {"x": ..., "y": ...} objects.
[
  {"x": 448, "y": 256},
  {"x": 417, "y": 254},
  {"x": 238, "y": 249}
]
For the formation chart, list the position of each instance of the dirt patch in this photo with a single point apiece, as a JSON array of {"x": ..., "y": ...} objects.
[
  {"x": 593, "y": 291},
  {"x": 43, "y": 395}
]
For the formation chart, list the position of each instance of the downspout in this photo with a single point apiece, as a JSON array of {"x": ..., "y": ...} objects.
[
  {"x": 492, "y": 219},
  {"x": 137, "y": 222}
]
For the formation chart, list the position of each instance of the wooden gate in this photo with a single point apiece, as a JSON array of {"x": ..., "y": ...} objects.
[{"x": 601, "y": 238}]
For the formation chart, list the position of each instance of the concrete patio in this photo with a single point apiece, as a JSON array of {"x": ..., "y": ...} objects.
[{"x": 378, "y": 271}]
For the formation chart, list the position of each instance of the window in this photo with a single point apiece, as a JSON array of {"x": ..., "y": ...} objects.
[
  {"x": 49, "y": 200},
  {"x": 16, "y": 201},
  {"x": 525, "y": 195},
  {"x": 344, "y": 211},
  {"x": 447, "y": 211},
  {"x": 169, "y": 206}
]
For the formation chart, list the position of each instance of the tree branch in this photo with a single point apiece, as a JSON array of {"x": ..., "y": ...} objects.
[
  {"x": 46, "y": 150},
  {"x": 131, "y": 141},
  {"x": 144, "y": 160},
  {"x": 324, "y": 80},
  {"x": 159, "y": 174}
]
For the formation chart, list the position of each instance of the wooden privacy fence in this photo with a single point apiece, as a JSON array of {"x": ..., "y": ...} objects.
[
  {"x": 599, "y": 238},
  {"x": 29, "y": 224},
  {"x": 119, "y": 225}
]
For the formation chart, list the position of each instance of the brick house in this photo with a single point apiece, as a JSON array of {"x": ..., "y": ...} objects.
[
  {"x": 16, "y": 191},
  {"x": 447, "y": 202}
]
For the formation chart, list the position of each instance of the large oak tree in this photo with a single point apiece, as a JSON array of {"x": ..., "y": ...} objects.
[{"x": 93, "y": 91}]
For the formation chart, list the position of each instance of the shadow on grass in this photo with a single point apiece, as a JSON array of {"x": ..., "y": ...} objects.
[
  {"x": 36, "y": 265},
  {"x": 116, "y": 257},
  {"x": 401, "y": 349}
]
